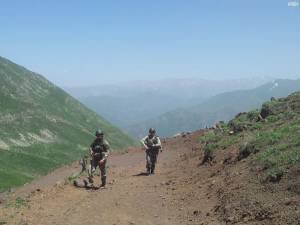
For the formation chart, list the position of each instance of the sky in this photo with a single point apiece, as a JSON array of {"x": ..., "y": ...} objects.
[{"x": 88, "y": 42}]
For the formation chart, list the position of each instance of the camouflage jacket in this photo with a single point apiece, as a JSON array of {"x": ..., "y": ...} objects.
[
  {"x": 151, "y": 143},
  {"x": 101, "y": 148}
]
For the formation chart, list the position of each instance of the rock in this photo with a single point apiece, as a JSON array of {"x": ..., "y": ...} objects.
[
  {"x": 196, "y": 212},
  {"x": 246, "y": 219},
  {"x": 292, "y": 201},
  {"x": 112, "y": 181},
  {"x": 22, "y": 222},
  {"x": 216, "y": 208},
  {"x": 274, "y": 178},
  {"x": 230, "y": 219}
]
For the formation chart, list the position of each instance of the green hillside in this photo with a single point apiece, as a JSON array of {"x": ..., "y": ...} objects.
[
  {"x": 42, "y": 127},
  {"x": 220, "y": 107},
  {"x": 269, "y": 135}
]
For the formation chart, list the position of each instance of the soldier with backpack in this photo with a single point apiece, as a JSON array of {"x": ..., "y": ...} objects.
[
  {"x": 99, "y": 151},
  {"x": 152, "y": 146}
]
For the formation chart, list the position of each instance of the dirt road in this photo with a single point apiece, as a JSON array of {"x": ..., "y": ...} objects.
[
  {"x": 181, "y": 192},
  {"x": 130, "y": 197}
]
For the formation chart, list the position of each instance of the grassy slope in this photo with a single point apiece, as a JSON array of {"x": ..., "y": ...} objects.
[
  {"x": 42, "y": 127},
  {"x": 273, "y": 143}
]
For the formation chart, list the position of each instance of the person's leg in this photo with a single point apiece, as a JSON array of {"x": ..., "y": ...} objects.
[
  {"x": 153, "y": 163},
  {"x": 148, "y": 162},
  {"x": 103, "y": 174},
  {"x": 93, "y": 167}
]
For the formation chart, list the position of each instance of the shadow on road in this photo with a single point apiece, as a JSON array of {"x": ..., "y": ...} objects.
[{"x": 140, "y": 174}]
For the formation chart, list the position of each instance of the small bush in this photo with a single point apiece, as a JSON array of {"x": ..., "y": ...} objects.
[
  {"x": 269, "y": 138},
  {"x": 18, "y": 203},
  {"x": 247, "y": 149},
  {"x": 265, "y": 110},
  {"x": 257, "y": 126},
  {"x": 253, "y": 115},
  {"x": 209, "y": 137},
  {"x": 237, "y": 126},
  {"x": 208, "y": 154},
  {"x": 210, "y": 147},
  {"x": 274, "y": 176},
  {"x": 273, "y": 118}
]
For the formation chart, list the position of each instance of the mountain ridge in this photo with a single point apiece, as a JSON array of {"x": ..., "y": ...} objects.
[
  {"x": 42, "y": 127},
  {"x": 220, "y": 107},
  {"x": 125, "y": 104}
]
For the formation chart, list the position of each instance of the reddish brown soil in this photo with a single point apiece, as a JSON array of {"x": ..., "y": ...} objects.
[{"x": 181, "y": 192}]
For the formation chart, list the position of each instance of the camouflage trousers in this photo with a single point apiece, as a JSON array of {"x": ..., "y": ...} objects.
[
  {"x": 95, "y": 164},
  {"x": 151, "y": 159}
]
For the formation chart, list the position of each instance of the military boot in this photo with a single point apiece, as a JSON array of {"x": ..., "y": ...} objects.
[
  {"x": 103, "y": 182},
  {"x": 152, "y": 169},
  {"x": 91, "y": 179},
  {"x": 148, "y": 170}
]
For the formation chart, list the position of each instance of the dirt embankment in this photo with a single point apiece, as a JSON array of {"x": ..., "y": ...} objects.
[{"x": 181, "y": 192}]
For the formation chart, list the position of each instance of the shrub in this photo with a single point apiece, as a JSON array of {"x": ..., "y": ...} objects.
[
  {"x": 253, "y": 115},
  {"x": 265, "y": 110},
  {"x": 247, "y": 149}
]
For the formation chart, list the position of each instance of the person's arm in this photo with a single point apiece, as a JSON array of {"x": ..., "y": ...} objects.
[
  {"x": 158, "y": 144},
  {"x": 91, "y": 148},
  {"x": 143, "y": 142},
  {"x": 106, "y": 151}
]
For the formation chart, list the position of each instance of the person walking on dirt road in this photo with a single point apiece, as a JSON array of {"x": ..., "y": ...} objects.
[
  {"x": 152, "y": 145},
  {"x": 99, "y": 151}
]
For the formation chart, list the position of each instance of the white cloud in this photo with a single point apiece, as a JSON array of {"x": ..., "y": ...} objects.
[
  {"x": 293, "y": 4},
  {"x": 65, "y": 70}
]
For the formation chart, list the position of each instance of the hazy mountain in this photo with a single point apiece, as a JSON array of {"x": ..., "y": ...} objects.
[
  {"x": 172, "y": 87},
  {"x": 125, "y": 104},
  {"x": 42, "y": 127},
  {"x": 220, "y": 107}
]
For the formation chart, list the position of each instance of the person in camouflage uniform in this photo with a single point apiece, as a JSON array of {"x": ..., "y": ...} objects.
[
  {"x": 152, "y": 146},
  {"x": 99, "y": 150}
]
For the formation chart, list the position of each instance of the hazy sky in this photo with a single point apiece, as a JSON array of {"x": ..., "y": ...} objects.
[{"x": 74, "y": 42}]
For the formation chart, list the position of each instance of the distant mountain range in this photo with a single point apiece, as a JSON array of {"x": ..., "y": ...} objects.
[
  {"x": 42, "y": 127},
  {"x": 127, "y": 104},
  {"x": 220, "y": 107}
]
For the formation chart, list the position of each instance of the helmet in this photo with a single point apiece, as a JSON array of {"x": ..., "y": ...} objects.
[
  {"x": 99, "y": 132},
  {"x": 152, "y": 131}
]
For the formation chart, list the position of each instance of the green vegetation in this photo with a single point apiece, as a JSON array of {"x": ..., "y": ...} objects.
[
  {"x": 42, "y": 127},
  {"x": 270, "y": 136},
  {"x": 17, "y": 203}
]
